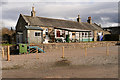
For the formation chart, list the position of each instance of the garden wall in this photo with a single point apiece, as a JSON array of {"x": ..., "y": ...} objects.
[{"x": 54, "y": 46}]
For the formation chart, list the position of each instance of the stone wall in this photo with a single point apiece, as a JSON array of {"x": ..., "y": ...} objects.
[{"x": 54, "y": 46}]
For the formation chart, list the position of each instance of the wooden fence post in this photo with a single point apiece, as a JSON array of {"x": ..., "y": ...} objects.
[
  {"x": 43, "y": 48},
  {"x": 8, "y": 53},
  {"x": 63, "y": 52},
  {"x": 3, "y": 52},
  {"x": 37, "y": 57},
  {"x": 85, "y": 51},
  {"x": 107, "y": 49}
]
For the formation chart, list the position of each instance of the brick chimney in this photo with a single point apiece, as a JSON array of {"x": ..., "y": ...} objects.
[
  {"x": 79, "y": 19},
  {"x": 33, "y": 12},
  {"x": 89, "y": 20}
]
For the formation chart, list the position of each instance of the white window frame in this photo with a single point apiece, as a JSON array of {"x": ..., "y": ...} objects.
[{"x": 91, "y": 34}]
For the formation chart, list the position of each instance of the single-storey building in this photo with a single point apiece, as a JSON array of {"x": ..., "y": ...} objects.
[
  {"x": 34, "y": 29},
  {"x": 115, "y": 33}
]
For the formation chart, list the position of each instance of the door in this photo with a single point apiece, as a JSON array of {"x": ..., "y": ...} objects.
[
  {"x": 20, "y": 38},
  {"x": 58, "y": 33}
]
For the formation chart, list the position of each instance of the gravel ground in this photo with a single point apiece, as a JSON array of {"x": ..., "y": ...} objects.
[{"x": 95, "y": 65}]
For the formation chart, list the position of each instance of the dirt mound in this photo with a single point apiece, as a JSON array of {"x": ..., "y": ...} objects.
[{"x": 63, "y": 62}]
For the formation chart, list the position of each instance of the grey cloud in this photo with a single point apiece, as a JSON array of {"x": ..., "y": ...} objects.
[
  {"x": 14, "y": 13},
  {"x": 2, "y": 3},
  {"x": 66, "y": 10}
]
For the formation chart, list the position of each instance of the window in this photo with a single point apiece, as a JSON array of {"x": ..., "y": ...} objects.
[
  {"x": 82, "y": 34},
  {"x": 46, "y": 30},
  {"x": 37, "y": 33},
  {"x": 73, "y": 33},
  {"x": 85, "y": 34},
  {"x": 58, "y": 33},
  {"x": 90, "y": 34},
  {"x": 46, "y": 33}
]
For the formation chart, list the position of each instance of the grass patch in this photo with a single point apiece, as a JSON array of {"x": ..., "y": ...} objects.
[
  {"x": 13, "y": 67},
  {"x": 6, "y": 44}
]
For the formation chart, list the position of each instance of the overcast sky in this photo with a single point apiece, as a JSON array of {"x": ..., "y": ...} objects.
[{"x": 104, "y": 13}]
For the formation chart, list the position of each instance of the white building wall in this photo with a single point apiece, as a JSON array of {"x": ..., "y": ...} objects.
[
  {"x": 77, "y": 35},
  {"x": 70, "y": 33},
  {"x": 32, "y": 38}
]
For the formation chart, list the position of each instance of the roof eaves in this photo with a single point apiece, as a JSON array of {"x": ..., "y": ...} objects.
[{"x": 33, "y": 28}]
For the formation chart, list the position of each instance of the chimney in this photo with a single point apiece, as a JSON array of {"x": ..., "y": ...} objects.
[
  {"x": 89, "y": 20},
  {"x": 79, "y": 19},
  {"x": 33, "y": 12}
]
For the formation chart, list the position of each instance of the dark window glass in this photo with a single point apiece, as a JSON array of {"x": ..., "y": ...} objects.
[
  {"x": 82, "y": 33},
  {"x": 90, "y": 33},
  {"x": 85, "y": 34},
  {"x": 73, "y": 33},
  {"x": 37, "y": 33},
  {"x": 46, "y": 33}
]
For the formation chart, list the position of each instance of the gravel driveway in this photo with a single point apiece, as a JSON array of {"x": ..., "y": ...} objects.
[{"x": 95, "y": 65}]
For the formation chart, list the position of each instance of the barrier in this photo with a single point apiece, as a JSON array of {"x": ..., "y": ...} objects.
[
  {"x": 3, "y": 52},
  {"x": 63, "y": 52},
  {"x": 107, "y": 49},
  {"x": 85, "y": 51},
  {"x": 8, "y": 53},
  {"x": 37, "y": 57}
]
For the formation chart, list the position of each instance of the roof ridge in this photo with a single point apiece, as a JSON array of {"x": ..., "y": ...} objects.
[
  {"x": 53, "y": 18},
  {"x": 59, "y": 22}
]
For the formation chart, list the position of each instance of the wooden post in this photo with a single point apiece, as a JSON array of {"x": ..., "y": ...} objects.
[
  {"x": 75, "y": 36},
  {"x": 43, "y": 48},
  {"x": 79, "y": 36},
  {"x": 85, "y": 51},
  {"x": 82, "y": 36},
  {"x": 88, "y": 36},
  {"x": 8, "y": 53},
  {"x": 37, "y": 57},
  {"x": 42, "y": 36},
  {"x": 2, "y": 52},
  {"x": 107, "y": 49},
  {"x": 68, "y": 37},
  {"x": 63, "y": 52}
]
